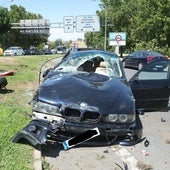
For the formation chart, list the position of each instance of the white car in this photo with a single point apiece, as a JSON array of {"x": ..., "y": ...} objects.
[{"x": 13, "y": 51}]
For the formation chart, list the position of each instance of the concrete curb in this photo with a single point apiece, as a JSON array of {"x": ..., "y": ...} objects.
[{"x": 37, "y": 160}]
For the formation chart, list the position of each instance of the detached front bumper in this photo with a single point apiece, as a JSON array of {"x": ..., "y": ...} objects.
[
  {"x": 38, "y": 132},
  {"x": 35, "y": 133}
]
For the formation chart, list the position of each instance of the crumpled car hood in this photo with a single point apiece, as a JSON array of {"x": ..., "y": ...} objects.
[{"x": 108, "y": 95}]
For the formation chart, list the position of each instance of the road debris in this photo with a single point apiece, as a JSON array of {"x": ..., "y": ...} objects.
[
  {"x": 145, "y": 153},
  {"x": 125, "y": 166},
  {"x": 163, "y": 120},
  {"x": 146, "y": 143}
]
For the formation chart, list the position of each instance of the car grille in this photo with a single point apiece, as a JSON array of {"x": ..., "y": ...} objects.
[{"x": 83, "y": 116}]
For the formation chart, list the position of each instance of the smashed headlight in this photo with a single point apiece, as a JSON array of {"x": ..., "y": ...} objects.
[
  {"x": 119, "y": 118},
  {"x": 44, "y": 107}
]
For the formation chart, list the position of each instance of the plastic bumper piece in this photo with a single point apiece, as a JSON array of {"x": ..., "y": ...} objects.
[{"x": 35, "y": 133}]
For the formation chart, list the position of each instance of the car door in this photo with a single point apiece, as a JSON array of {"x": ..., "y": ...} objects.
[
  {"x": 19, "y": 51},
  {"x": 151, "y": 86},
  {"x": 132, "y": 59}
]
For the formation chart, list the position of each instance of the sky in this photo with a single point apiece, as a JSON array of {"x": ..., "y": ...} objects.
[{"x": 55, "y": 10}]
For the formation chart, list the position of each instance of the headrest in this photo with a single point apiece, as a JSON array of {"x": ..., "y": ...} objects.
[{"x": 102, "y": 64}]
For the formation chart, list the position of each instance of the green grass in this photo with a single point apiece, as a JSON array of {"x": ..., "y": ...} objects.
[{"x": 15, "y": 113}]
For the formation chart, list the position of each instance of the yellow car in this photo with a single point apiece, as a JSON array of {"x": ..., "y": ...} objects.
[{"x": 1, "y": 51}]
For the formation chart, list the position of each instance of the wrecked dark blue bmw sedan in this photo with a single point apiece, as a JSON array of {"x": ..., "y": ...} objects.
[{"x": 86, "y": 90}]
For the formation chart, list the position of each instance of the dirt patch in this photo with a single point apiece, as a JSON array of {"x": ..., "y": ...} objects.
[
  {"x": 168, "y": 141},
  {"x": 8, "y": 60},
  {"x": 143, "y": 166}
]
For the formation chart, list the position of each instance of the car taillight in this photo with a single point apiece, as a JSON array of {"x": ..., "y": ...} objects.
[{"x": 149, "y": 58}]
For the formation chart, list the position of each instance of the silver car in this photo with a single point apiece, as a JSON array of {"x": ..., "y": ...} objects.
[{"x": 13, "y": 51}]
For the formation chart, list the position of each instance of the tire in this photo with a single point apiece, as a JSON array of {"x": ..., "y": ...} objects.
[
  {"x": 3, "y": 82},
  {"x": 140, "y": 66}
]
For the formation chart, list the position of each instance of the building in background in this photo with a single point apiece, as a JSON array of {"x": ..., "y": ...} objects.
[{"x": 79, "y": 43}]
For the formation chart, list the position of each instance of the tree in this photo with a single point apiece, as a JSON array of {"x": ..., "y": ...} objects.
[
  {"x": 58, "y": 42},
  {"x": 146, "y": 23},
  {"x": 152, "y": 25},
  {"x": 18, "y": 13},
  {"x": 10, "y": 37},
  {"x": 4, "y": 24},
  {"x": 4, "y": 20}
]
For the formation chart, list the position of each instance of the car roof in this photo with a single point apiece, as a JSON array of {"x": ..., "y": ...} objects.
[
  {"x": 82, "y": 50},
  {"x": 147, "y": 51},
  {"x": 14, "y": 47}
]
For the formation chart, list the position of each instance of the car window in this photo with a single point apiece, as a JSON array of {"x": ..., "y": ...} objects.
[
  {"x": 91, "y": 62},
  {"x": 139, "y": 54},
  {"x": 155, "y": 53},
  {"x": 155, "y": 71},
  {"x": 11, "y": 48},
  {"x": 132, "y": 55},
  {"x": 136, "y": 54}
]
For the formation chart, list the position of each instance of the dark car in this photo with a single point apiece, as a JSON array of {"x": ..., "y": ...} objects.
[
  {"x": 86, "y": 90},
  {"x": 48, "y": 52},
  {"x": 151, "y": 86},
  {"x": 138, "y": 59},
  {"x": 33, "y": 52}
]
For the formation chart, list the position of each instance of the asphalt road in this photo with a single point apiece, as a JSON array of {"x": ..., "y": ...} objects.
[{"x": 152, "y": 153}]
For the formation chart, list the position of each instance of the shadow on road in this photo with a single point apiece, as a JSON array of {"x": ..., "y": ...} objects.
[{"x": 52, "y": 150}]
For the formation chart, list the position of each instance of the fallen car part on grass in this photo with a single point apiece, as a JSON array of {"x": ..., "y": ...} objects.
[
  {"x": 6, "y": 73},
  {"x": 3, "y": 82},
  {"x": 35, "y": 133}
]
